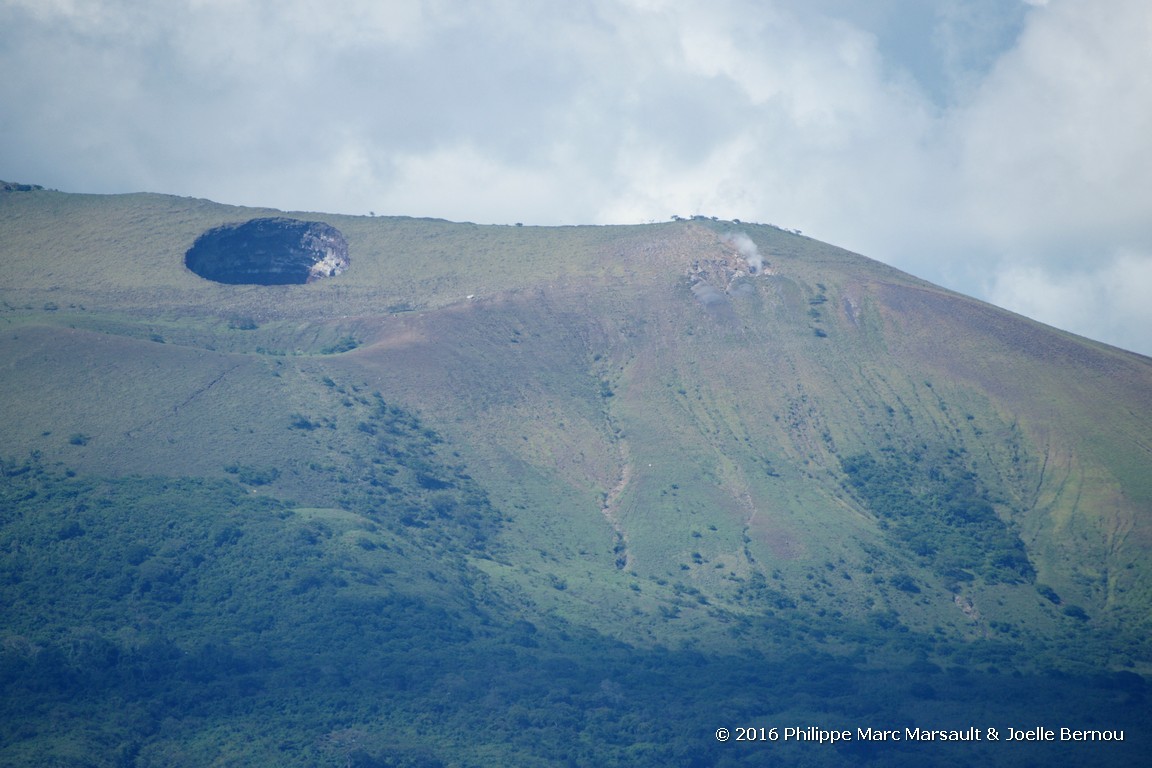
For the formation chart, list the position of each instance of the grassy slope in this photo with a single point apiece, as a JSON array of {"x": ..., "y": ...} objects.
[
  {"x": 747, "y": 408},
  {"x": 672, "y": 472}
]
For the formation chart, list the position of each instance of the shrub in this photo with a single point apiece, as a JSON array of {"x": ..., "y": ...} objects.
[
  {"x": 300, "y": 421},
  {"x": 343, "y": 344},
  {"x": 1076, "y": 612},
  {"x": 904, "y": 583}
]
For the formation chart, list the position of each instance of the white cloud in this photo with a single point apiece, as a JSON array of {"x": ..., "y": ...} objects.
[
  {"x": 993, "y": 147},
  {"x": 1054, "y": 148},
  {"x": 1055, "y": 169},
  {"x": 1109, "y": 301},
  {"x": 450, "y": 177}
]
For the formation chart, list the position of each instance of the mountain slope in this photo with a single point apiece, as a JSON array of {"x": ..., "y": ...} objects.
[{"x": 549, "y": 446}]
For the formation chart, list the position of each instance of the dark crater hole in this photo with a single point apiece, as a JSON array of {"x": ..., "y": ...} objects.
[{"x": 273, "y": 251}]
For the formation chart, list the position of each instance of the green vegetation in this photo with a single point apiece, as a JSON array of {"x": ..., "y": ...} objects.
[
  {"x": 343, "y": 344},
  {"x": 934, "y": 505},
  {"x": 163, "y": 617},
  {"x": 513, "y": 495}
]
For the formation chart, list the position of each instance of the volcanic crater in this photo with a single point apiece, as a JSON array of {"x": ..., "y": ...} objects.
[{"x": 269, "y": 251}]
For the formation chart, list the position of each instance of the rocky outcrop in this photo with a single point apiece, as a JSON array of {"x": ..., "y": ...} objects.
[{"x": 272, "y": 251}]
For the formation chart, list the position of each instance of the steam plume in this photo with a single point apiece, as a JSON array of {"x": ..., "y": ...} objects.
[{"x": 742, "y": 243}]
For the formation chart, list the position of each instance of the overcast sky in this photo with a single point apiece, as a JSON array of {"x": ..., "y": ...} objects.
[{"x": 998, "y": 147}]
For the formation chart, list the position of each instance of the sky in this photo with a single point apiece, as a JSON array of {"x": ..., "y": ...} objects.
[{"x": 1001, "y": 148}]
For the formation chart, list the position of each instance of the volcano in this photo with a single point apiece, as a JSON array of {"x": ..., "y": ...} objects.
[{"x": 547, "y": 496}]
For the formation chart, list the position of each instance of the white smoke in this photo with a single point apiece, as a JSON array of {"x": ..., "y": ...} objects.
[{"x": 742, "y": 243}]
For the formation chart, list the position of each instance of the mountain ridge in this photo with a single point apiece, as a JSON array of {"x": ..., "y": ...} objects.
[
  {"x": 634, "y": 284},
  {"x": 715, "y": 437}
]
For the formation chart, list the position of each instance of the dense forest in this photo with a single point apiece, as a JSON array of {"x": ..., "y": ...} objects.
[{"x": 152, "y": 621}]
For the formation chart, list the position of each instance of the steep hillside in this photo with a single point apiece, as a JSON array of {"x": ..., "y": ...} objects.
[{"x": 593, "y": 458}]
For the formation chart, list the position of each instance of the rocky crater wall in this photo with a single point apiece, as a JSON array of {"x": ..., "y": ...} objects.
[{"x": 271, "y": 251}]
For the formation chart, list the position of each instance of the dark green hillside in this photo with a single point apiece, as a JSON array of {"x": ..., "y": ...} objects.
[
  {"x": 208, "y": 626},
  {"x": 549, "y": 496}
]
